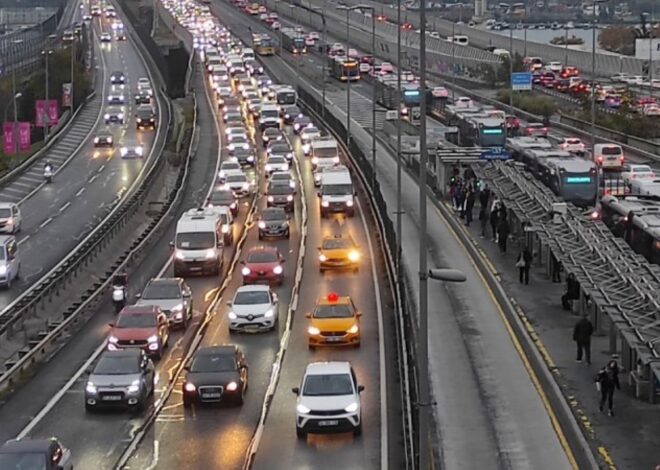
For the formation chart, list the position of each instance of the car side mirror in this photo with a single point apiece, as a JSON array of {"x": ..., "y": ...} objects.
[
  {"x": 358, "y": 314},
  {"x": 171, "y": 245},
  {"x": 296, "y": 390},
  {"x": 187, "y": 294},
  {"x": 230, "y": 303},
  {"x": 282, "y": 260},
  {"x": 186, "y": 368},
  {"x": 138, "y": 296},
  {"x": 318, "y": 194},
  {"x": 275, "y": 298},
  {"x": 360, "y": 388},
  {"x": 111, "y": 325},
  {"x": 308, "y": 315},
  {"x": 242, "y": 261}
]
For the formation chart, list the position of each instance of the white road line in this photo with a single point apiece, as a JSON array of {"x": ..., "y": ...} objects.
[
  {"x": 24, "y": 239},
  {"x": 91, "y": 180},
  {"x": 58, "y": 396},
  {"x": 154, "y": 461},
  {"x": 65, "y": 206},
  {"x": 80, "y": 191},
  {"x": 46, "y": 222},
  {"x": 101, "y": 168}
]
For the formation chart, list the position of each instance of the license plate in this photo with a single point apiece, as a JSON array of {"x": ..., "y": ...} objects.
[
  {"x": 329, "y": 422},
  {"x": 111, "y": 398},
  {"x": 334, "y": 339},
  {"x": 212, "y": 395},
  {"x": 196, "y": 268}
]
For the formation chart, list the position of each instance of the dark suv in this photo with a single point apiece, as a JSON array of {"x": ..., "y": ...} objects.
[{"x": 145, "y": 117}]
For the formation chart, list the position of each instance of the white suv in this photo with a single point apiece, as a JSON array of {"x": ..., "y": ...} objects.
[
  {"x": 328, "y": 400},
  {"x": 254, "y": 308}
]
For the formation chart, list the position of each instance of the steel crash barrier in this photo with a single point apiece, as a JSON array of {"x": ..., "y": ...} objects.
[
  {"x": 70, "y": 269},
  {"x": 618, "y": 287}
]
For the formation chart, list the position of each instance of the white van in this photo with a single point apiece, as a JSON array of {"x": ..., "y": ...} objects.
[
  {"x": 461, "y": 40},
  {"x": 198, "y": 243},
  {"x": 608, "y": 155},
  {"x": 10, "y": 263},
  {"x": 10, "y": 217},
  {"x": 336, "y": 194},
  {"x": 269, "y": 116},
  {"x": 248, "y": 54},
  {"x": 325, "y": 154}
]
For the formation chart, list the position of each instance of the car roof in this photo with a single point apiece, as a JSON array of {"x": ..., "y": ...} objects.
[
  {"x": 253, "y": 288},
  {"x": 165, "y": 280},
  {"x": 218, "y": 349},
  {"x": 262, "y": 248},
  {"x": 139, "y": 310},
  {"x": 128, "y": 352},
  {"x": 333, "y": 367},
  {"x": 26, "y": 445},
  {"x": 274, "y": 209}
]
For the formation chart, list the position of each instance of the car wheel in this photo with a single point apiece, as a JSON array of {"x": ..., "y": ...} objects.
[
  {"x": 240, "y": 397},
  {"x": 322, "y": 271},
  {"x": 301, "y": 433},
  {"x": 89, "y": 408},
  {"x": 288, "y": 234},
  {"x": 311, "y": 347},
  {"x": 358, "y": 430}
]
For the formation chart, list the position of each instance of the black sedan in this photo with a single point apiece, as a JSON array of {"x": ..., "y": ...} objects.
[
  {"x": 245, "y": 157},
  {"x": 280, "y": 195},
  {"x": 290, "y": 113},
  {"x": 223, "y": 197},
  {"x": 271, "y": 134},
  {"x": 118, "y": 78},
  {"x": 273, "y": 223},
  {"x": 216, "y": 374},
  {"x": 46, "y": 454},
  {"x": 142, "y": 97},
  {"x": 103, "y": 139},
  {"x": 300, "y": 123}
]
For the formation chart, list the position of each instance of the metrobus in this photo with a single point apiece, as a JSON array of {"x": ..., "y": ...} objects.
[
  {"x": 345, "y": 69},
  {"x": 293, "y": 41},
  {"x": 263, "y": 44}
]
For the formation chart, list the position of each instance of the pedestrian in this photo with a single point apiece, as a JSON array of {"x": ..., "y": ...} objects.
[
  {"x": 469, "y": 206},
  {"x": 582, "y": 332},
  {"x": 556, "y": 269},
  {"x": 460, "y": 200},
  {"x": 503, "y": 231},
  {"x": 523, "y": 264},
  {"x": 494, "y": 219},
  {"x": 484, "y": 196},
  {"x": 572, "y": 292},
  {"x": 483, "y": 220},
  {"x": 607, "y": 380}
]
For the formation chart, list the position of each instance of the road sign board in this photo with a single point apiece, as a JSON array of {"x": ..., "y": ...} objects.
[
  {"x": 521, "y": 81},
  {"x": 496, "y": 153}
]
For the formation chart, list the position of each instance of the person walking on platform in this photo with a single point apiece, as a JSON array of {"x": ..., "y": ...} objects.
[
  {"x": 494, "y": 219},
  {"x": 572, "y": 292},
  {"x": 470, "y": 199},
  {"x": 556, "y": 269},
  {"x": 503, "y": 231},
  {"x": 607, "y": 380},
  {"x": 523, "y": 264},
  {"x": 582, "y": 336}
]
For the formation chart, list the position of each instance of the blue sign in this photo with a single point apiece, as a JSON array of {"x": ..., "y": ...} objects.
[
  {"x": 521, "y": 81},
  {"x": 496, "y": 153}
]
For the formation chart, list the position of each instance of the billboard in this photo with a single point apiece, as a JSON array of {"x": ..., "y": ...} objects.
[
  {"x": 23, "y": 135},
  {"x": 47, "y": 113},
  {"x": 8, "y": 138},
  {"x": 642, "y": 49}
]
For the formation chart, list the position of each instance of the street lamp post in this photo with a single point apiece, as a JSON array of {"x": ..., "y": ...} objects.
[
  {"x": 510, "y": 67},
  {"x": 565, "y": 46},
  {"x": 348, "y": 87},
  {"x": 593, "y": 85},
  {"x": 11, "y": 102},
  {"x": 453, "y": 62},
  {"x": 47, "y": 52},
  {"x": 73, "y": 60},
  {"x": 15, "y": 43},
  {"x": 399, "y": 208}
]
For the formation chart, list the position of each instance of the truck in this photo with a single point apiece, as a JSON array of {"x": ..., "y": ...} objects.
[
  {"x": 336, "y": 193},
  {"x": 198, "y": 243}
]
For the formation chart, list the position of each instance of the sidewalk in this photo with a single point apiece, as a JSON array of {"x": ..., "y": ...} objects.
[{"x": 628, "y": 440}]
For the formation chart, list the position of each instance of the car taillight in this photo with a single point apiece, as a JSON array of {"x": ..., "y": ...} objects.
[{"x": 600, "y": 159}]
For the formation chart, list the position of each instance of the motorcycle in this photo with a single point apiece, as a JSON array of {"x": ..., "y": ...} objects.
[
  {"x": 119, "y": 292},
  {"x": 48, "y": 174}
]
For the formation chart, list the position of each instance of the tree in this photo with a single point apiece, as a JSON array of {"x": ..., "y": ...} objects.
[{"x": 616, "y": 38}]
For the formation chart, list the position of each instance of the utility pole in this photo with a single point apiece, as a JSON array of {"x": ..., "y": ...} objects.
[{"x": 399, "y": 209}]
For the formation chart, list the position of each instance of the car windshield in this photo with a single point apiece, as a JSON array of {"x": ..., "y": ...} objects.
[
  {"x": 161, "y": 290},
  {"x": 327, "y": 385},
  {"x": 262, "y": 257},
  {"x": 5, "y": 213},
  {"x": 136, "y": 321},
  {"x": 117, "y": 365},
  {"x": 642, "y": 169},
  {"x": 236, "y": 179},
  {"x": 272, "y": 133},
  {"x": 195, "y": 240},
  {"x": 239, "y": 139},
  {"x": 333, "y": 311},
  {"x": 221, "y": 198},
  {"x": 280, "y": 148},
  {"x": 281, "y": 176},
  {"x": 273, "y": 215},
  {"x": 23, "y": 461},
  {"x": 337, "y": 189},
  {"x": 251, "y": 298},
  {"x": 336, "y": 243},
  {"x": 611, "y": 150},
  {"x": 217, "y": 362},
  {"x": 292, "y": 110},
  {"x": 310, "y": 130},
  {"x": 275, "y": 160},
  {"x": 269, "y": 113},
  {"x": 231, "y": 166},
  {"x": 280, "y": 189}
]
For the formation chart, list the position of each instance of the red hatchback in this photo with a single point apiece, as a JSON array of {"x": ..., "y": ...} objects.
[
  {"x": 140, "y": 327},
  {"x": 263, "y": 264}
]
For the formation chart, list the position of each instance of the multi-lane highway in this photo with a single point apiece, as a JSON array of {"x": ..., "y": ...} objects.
[{"x": 88, "y": 181}]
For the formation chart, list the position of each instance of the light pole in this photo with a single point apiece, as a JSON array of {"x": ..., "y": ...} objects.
[
  {"x": 565, "y": 46},
  {"x": 15, "y": 43},
  {"x": 73, "y": 60},
  {"x": 453, "y": 62},
  {"x": 510, "y": 66},
  {"x": 47, "y": 52},
  {"x": 593, "y": 85},
  {"x": 321, "y": 12},
  {"x": 525, "y": 42},
  {"x": 373, "y": 90},
  {"x": 298, "y": 56},
  {"x": 399, "y": 208},
  {"x": 16, "y": 96},
  {"x": 348, "y": 88}
]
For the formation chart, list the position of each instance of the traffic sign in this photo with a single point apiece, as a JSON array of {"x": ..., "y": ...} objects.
[
  {"x": 495, "y": 153},
  {"x": 521, "y": 81}
]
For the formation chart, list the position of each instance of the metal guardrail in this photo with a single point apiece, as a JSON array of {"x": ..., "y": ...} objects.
[{"x": 51, "y": 283}]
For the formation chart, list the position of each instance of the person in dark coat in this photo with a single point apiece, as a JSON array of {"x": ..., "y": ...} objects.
[
  {"x": 523, "y": 263},
  {"x": 494, "y": 220},
  {"x": 608, "y": 378},
  {"x": 582, "y": 336},
  {"x": 460, "y": 200},
  {"x": 484, "y": 197},
  {"x": 503, "y": 231},
  {"x": 556, "y": 269},
  {"x": 572, "y": 292},
  {"x": 470, "y": 199}
]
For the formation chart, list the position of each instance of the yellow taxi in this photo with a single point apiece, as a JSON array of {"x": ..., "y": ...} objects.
[
  {"x": 339, "y": 252},
  {"x": 334, "y": 322}
]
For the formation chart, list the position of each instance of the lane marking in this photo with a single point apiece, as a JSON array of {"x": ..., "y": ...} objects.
[
  {"x": 91, "y": 180},
  {"x": 46, "y": 222},
  {"x": 65, "y": 206},
  {"x": 101, "y": 168},
  {"x": 24, "y": 239},
  {"x": 80, "y": 191}
]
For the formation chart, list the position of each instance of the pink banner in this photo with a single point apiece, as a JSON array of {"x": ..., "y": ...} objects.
[
  {"x": 47, "y": 113},
  {"x": 24, "y": 137},
  {"x": 8, "y": 131}
]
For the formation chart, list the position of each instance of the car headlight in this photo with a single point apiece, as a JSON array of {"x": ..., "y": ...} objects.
[
  {"x": 134, "y": 387},
  {"x": 225, "y": 228},
  {"x": 189, "y": 387},
  {"x": 250, "y": 158},
  {"x": 139, "y": 150},
  {"x": 306, "y": 148},
  {"x": 232, "y": 316},
  {"x": 177, "y": 308},
  {"x": 246, "y": 186},
  {"x": 246, "y": 146},
  {"x": 231, "y": 387},
  {"x": 262, "y": 224},
  {"x": 325, "y": 203},
  {"x": 120, "y": 116},
  {"x": 354, "y": 256},
  {"x": 210, "y": 253},
  {"x": 322, "y": 257},
  {"x": 352, "y": 408},
  {"x": 271, "y": 198},
  {"x": 302, "y": 409},
  {"x": 289, "y": 198},
  {"x": 315, "y": 160},
  {"x": 96, "y": 140},
  {"x": 152, "y": 339},
  {"x": 335, "y": 160},
  {"x": 265, "y": 138},
  {"x": 91, "y": 388},
  {"x": 353, "y": 329},
  {"x": 349, "y": 203},
  {"x": 179, "y": 254},
  {"x": 231, "y": 146},
  {"x": 312, "y": 330},
  {"x": 289, "y": 156},
  {"x": 269, "y": 313},
  {"x": 113, "y": 339},
  {"x": 278, "y": 269},
  {"x": 246, "y": 271},
  {"x": 296, "y": 126},
  {"x": 123, "y": 151},
  {"x": 108, "y": 140},
  {"x": 106, "y": 116},
  {"x": 287, "y": 116}
]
